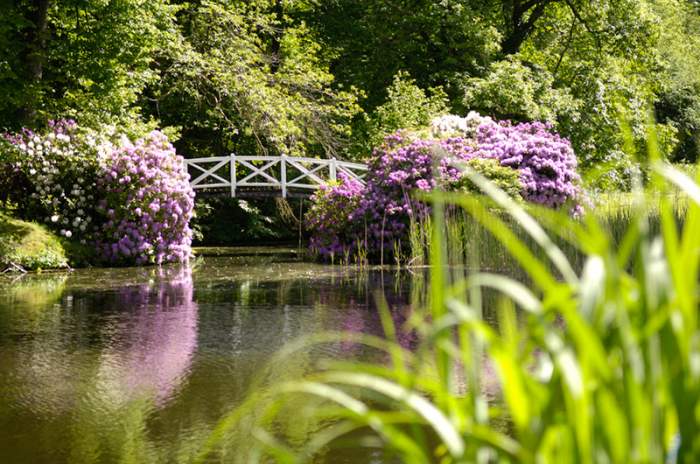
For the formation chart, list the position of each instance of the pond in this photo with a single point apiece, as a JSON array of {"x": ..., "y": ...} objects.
[{"x": 111, "y": 365}]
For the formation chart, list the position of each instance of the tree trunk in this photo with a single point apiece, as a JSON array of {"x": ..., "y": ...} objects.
[
  {"x": 522, "y": 19},
  {"x": 35, "y": 50},
  {"x": 276, "y": 44}
]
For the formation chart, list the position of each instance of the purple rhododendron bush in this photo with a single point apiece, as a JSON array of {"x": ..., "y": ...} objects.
[
  {"x": 336, "y": 231},
  {"x": 148, "y": 203},
  {"x": 130, "y": 203},
  {"x": 376, "y": 217},
  {"x": 546, "y": 161}
]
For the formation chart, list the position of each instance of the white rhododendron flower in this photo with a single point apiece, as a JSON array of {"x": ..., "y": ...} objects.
[{"x": 450, "y": 125}]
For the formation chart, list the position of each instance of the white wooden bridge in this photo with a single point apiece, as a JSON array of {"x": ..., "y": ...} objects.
[{"x": 268, "y": 175}]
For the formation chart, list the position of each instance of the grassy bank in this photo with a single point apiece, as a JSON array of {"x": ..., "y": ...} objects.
[{"x": 29, "y": 245}]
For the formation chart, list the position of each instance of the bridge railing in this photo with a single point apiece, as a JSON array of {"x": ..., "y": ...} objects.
[{"x": 274, "y": 172}]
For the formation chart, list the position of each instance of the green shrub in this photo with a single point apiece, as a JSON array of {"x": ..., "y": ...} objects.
[{"x": 504, "y": 177}]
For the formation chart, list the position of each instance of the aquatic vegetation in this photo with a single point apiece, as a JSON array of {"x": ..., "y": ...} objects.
[{"x": 583, "y": 365}]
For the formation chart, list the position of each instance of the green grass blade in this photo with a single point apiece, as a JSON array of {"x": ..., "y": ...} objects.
[{"x": 433, "y": 416}]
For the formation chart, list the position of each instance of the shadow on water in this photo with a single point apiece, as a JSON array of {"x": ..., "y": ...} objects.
[{"x": 138, "y": 365}]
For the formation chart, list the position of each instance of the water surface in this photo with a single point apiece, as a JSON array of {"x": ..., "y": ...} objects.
[{"x": 138, "y": 365}]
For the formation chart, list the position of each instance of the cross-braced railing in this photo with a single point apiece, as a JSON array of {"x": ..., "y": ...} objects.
[{"x": 279, "y": 173}]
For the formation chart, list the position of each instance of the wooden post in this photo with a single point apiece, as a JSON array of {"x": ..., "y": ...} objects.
[
  {"x": 333, "y": 169},
  {"x": 233, "y": 175},
  {"x": 301, "y": 221},
  {"x": 283, "y": 174}
]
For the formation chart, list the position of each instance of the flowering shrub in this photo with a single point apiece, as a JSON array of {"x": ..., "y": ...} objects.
[
  {"x": 147, "y": 201},
  {"x": 133, "y": 202},
  {"x": 378, "y": 215},
  {"x": 546, "y": 161},
  {"x": 526, "y": 159},
  {"x": 332, "y": 219},
  {"x": 52, "y": 177},
  {"x": 398, "y": 168},
  {"x": 451, "y": 125}
]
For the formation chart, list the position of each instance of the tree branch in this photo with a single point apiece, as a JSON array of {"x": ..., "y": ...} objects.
[
  {"x": 522, "y": 29},
  {"x": 566, "y": 47}
]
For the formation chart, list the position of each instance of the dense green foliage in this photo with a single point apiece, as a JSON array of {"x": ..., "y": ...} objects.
[
  {"x": 222, "y": 221},
  {"x": 251, "y": 78},
  {"x": 503, "y": 177},
  {"x": 91, "y": 60},
  {"x": 332, "y": 78},
  {"x": 406, "y": 107}
]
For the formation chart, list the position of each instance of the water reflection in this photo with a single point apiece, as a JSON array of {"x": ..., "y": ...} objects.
[
  {"x": 140, "y": 364},
  {"x": 360, "y": 321},
  {"x": 150, "y": 355}
]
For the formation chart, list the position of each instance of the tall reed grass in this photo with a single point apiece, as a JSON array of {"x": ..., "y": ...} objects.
[{"x": 594, "y": 357}]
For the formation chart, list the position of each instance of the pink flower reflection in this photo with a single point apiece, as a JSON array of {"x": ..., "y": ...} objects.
[
  {"x": 150, "y": 355},
  {"x": 359, "y": 320}
]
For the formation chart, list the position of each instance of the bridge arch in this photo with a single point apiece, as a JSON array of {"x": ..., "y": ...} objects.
[{"x": 282, "y": 175}]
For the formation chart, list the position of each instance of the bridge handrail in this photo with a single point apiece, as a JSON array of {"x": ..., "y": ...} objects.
[{"x": 208, "y": 173}]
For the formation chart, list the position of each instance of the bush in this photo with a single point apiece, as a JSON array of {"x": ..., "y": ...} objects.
[
  {"x": 147, "y": 201},
  {"x": 505, "y": 178},
  {"x": 133, "y": 202},
  {"x": 526, "y": 160},
  {"x": 53, "y": 176},
  {"x": 397, "y": 169},
  {"x": 450, "y": 125},
  {"x": 546, "y": 161},
  {"x": 333, "y": 220}
]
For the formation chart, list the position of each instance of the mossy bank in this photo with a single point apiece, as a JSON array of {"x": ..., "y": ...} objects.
[{"x": 29, "y": 245}]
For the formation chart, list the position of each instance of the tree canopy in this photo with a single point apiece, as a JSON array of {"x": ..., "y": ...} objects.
[{"x": 328, "y": 78}]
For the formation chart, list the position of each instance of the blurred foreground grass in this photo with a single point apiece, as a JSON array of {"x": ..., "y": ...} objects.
[{"x": 593, "y": 357}]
